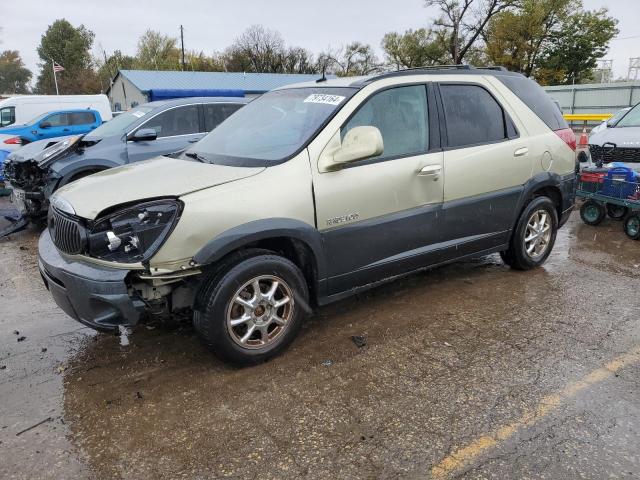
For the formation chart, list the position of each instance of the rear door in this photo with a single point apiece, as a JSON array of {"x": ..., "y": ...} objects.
[
  {"x": 82, "y": 122},
  {"x": 177, "y": 128},
  {"x": 216, "y": 113},
  {"x": 379, "y": 217},
  {"x": 486, "y": 163}
]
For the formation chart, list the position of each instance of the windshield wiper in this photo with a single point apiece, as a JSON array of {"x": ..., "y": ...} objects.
[{"x": 196, "y": 156}]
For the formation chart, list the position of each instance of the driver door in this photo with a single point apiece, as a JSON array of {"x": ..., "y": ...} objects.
[
  {"x": 380, "y": 216},
  {"x": 54, "y": 125}
]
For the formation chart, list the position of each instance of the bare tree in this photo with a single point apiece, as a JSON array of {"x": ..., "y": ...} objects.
[
  {"x": 463, "y": 22},
  {"x": 354, "y": 59}
]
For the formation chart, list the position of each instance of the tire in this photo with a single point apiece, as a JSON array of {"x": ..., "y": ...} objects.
[
  {"x": 616, "y": 212},
  {"x": 228, "y": 307},
  {"x": 592, "y": 213},
  {"x": 632, "y": 226},
  {"x": 540, "y": 220}
]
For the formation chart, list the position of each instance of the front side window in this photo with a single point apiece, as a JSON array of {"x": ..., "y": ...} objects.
[
  {"x": 119, "y": 124},
  {"x": 631, "y": 119},
  {"x": 82, "y": 118},
  {"x": 473, "y": 116},
  {"x": 216, "y": 113},
  {"x": 176, "y": 121},
  {"x": 401, "y": 116},
  {"x": 271, "y": 128},
  {"x": 7, "y": 116},
  {"x": 57, "y": 120}
]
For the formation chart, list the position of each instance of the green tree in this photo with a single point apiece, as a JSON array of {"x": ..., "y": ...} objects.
[
  {"x": 157, "y": 51},
  {"x": 70, "y": 47},
  {"x": 575, "y": 49},
  {"x": 109, "y": 65},
  {"x": 413, "y": 48},
  {"x": 14, "y": 76}
]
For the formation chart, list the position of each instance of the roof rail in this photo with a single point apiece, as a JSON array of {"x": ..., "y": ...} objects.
[{"x": 459, "y": 68}]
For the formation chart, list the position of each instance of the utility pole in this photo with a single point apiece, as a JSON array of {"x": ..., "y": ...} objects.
[{"x": 182, "y": 44}]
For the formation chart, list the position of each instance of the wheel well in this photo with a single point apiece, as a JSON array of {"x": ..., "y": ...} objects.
[
  {"x": 292, "y": 249},
  {"x": 554, "y": 194}
]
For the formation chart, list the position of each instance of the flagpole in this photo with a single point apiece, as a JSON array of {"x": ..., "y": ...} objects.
[{"x": 53, "y": 67}]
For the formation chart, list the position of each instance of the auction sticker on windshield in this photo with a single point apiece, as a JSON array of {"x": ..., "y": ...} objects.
[{"x": 324, "y": 98}]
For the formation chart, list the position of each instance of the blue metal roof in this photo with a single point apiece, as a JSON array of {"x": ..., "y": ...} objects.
[{"x": 146, "y": 80}]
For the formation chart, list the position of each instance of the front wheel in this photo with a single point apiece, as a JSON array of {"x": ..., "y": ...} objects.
[
  {"x": 253, "y": 309},
  {"x": 632, "y": 227},
  {"x": 534, "y": 235}
]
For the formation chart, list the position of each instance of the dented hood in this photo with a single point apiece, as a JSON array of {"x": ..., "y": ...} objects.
[{"x": 159, "y": 177}]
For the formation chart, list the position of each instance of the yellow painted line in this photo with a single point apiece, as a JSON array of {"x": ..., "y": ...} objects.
[
  {"x": 593, "y": 117},
  {"x": 465, "y": 455}
]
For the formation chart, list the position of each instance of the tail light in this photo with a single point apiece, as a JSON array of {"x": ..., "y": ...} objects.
[
  {"x": 13, "y": 141},
  {"x": 567, "y": 135}
]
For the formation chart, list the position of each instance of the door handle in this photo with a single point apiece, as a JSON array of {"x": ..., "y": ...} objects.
[
  {"x": 65, "y": 130},
  {"x": 194, "y": 140},
  {"x": 430, "y": 171},
  {"x": 521, "y": 152}
]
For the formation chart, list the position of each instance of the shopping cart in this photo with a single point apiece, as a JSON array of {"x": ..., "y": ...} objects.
[{"x": 614, "y": 192}]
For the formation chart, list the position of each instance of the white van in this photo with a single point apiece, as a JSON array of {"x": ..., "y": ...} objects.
[{"x": 21, "y": 109}]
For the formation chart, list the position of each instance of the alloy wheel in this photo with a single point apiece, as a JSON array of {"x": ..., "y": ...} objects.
[
  {"x": 538, "y": 234},
  {"x": 260, "y": 312}
]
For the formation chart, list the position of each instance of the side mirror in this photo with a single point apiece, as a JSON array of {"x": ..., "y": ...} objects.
[
  {"x": 45, "y": 125},
  {"x": 359, "y": 143},
  {"x": 145, "y": 135}
]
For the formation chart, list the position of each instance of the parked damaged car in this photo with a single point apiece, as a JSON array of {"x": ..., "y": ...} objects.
[
  {"x": 310, "y": 194},
  {"x": 150, "y": 130}
]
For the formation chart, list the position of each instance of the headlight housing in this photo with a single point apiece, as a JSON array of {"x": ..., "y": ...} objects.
[{"x": 133, "y": 234}]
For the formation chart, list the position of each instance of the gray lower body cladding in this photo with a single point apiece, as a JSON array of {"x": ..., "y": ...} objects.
[{"x": 95, "y": 296}]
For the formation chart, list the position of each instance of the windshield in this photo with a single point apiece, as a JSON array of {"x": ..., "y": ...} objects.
[
  {"x": 120, "y": 123},
  {"x": 272, "y": 127},
  {"x": 631, "y": 119}
]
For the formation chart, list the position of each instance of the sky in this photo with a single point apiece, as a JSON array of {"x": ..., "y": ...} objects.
[{"x": 212, "y": 25}]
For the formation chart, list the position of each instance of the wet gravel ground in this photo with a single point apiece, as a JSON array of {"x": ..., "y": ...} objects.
[{"x": 469, "y": 371}]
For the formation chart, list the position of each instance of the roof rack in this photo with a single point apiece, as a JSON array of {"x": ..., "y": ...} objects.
[{"x": 444, "y": 69}]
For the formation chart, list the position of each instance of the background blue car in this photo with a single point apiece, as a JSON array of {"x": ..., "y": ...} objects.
[{"x": 55, "y": 124}]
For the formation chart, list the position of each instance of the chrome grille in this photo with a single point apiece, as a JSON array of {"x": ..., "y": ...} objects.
[
  {"x": 66, "y": 232},
  {"x": 614, "y": 154}
]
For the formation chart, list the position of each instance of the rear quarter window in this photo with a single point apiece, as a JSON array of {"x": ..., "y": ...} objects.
[{"x": 536, "y": 99}]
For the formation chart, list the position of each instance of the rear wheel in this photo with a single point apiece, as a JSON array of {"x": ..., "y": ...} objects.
[
  {"x": 592, "y": 213},
  {"x": 616, "y": 212},
  {"x": 252, "y": 309},
  {"x": 534, "y": 235},
  {"x": 632, "y": 226}
]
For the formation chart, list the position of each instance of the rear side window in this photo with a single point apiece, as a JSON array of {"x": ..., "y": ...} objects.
[
  {"x": 536, "y": 99},
  {"x": 473, "y": 116},
  {"x": 82, "y": 118},
  {"x": 216, "y": 113},
  {"x": 401, "y": 116}
]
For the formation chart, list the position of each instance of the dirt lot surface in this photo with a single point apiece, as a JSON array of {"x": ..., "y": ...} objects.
[{"x": 469, "y": 371}]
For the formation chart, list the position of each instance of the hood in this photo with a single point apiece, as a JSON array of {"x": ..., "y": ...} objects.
[
  {"x": 158, "y": 177},
  {"x": 623, "y": 137},
  {"x": 13, "y": 129}
]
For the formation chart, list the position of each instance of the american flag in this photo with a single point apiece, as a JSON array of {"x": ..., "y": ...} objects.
[{"x": 57, "y": 68}]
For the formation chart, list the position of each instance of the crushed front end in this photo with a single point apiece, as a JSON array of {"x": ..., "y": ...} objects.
[{"x": 28, "y": 173}]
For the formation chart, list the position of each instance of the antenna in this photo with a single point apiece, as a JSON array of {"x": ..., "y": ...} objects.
[{"x": 182, "y": 44}]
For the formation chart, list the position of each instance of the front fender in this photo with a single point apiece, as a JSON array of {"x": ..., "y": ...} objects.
[{"x": 257, "y": 230}]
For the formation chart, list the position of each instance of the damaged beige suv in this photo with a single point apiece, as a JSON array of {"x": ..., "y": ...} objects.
[{"x": 309, "y": 194}]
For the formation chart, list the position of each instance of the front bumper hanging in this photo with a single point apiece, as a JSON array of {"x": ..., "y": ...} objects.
[{"x": 95, "y": 296}]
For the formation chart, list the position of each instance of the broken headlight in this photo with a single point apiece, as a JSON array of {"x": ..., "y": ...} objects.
[{"x": 135, "y": 233}]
